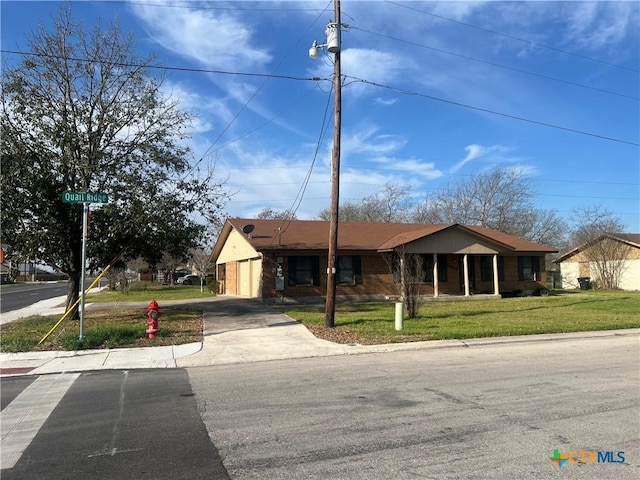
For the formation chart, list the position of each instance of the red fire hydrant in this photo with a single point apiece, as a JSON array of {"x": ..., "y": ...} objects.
[{"x": 153, "y": 314}]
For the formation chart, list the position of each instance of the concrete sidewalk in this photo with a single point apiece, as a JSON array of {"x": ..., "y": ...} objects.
[{"x": 236, "y": 330}]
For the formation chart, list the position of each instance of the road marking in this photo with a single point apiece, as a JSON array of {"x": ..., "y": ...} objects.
[
  {"x": 113, "y": 452},
  {"x": 24, "y": 416}
]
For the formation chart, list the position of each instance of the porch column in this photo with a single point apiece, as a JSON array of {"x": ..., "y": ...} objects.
[
  {"x": 435, "y": 274},
  {"x": 465, "y": 263},
  {"x": 496, "y": 284}
]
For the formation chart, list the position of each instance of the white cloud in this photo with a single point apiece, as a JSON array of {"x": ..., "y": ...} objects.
[
  {"x": 213, "y": 38},
  {"x": 365, "y": 139},
  {"x": 385, "y": 101},
  {"x": 367, "y": 64},
  {"x": 524, "y": 170},
  {"x": 595, "y": 25},
  {"x": 414, "y": 169},
  {"x": 370, "y": 149},
  {"x": 374, "y": 65},
  {"x": 457, "y": 10},
  {"x": 494, "y": 153}
]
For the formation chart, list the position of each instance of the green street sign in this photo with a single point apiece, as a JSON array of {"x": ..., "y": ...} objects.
[{"x": 85, "y": 197}]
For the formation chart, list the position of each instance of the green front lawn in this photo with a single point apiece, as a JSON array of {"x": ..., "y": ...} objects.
[
  {"x": 112, "y": 328},
  {"x": 364, "y": 323},
  {"x": 147, "y": 291},
  {"x": 569, "y": 311}
]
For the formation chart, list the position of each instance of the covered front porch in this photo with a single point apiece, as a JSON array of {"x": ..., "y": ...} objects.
[{"x": 467, "y": 277}]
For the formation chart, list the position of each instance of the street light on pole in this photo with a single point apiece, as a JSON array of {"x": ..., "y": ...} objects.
[{"x": 333, "y": 45}]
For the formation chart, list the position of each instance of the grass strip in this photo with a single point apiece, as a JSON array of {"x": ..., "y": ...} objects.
[
  {"x": 374, "y": 323},
  {"x": 102, "y": 329}
]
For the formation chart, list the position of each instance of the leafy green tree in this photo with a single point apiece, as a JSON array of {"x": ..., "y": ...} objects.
[{"x": 82, "y": 112}]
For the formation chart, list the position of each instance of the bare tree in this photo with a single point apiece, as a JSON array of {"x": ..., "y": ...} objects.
[
  {"x": 348, "y": 212},
  {"x": 544, "y": 227},
  {"x": 493, "y": 199},
  {"x": 169, "y": 264},
  {"x": 137, "y": 265},
  {"x": 607, "y": 257},
  {"x": 500, "y": 199},
  {"x": 118, "y": 280},
  {"x": 268, "y": 213},
  {"x": 408, "y": 273},
  {"x": 589, "y": 222},
  {"x": 392, "y": 204},
  {"x": 594, "y": 232},
  {"x": 202, "y": 264}
]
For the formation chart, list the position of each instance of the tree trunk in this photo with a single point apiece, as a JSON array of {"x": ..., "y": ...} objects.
[{"x": 73, "y": 293}]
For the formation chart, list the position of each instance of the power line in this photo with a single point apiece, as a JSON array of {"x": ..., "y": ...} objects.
[
  {"x": 300, "y": 196},
  {"x": 486, "y": 62},
  {"x": 494, "y": 112},
  {"x": 245, "y": 184},
  {"x": 168, "y": 68},
  {"x": 356, "y": 79},
  {"x": 254, "y": 95},
  {"x": 513, "y": 37},
  {"x": 200, "y": 7},
  {"x": 435, "y": 189},
  {"x": 263, "y": 124},
  {"x": 347, "y": 199},
  {"x": 585, "y": 168}
]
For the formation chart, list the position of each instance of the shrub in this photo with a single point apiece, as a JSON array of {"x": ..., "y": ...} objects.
[{"x": 212, "y": 285}]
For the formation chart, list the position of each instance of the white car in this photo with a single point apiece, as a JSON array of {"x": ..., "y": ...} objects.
[{"x": 189, "y": 280}]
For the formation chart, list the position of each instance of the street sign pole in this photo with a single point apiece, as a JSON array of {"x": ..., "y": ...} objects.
[
  {"x": 85, "y": 217},
  {"x": 85, "y": 198}
]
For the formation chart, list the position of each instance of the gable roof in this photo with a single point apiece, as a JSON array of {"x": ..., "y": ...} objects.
[
  {"x": 631, "y": 239},
  {"x": 268, "y": 235}
]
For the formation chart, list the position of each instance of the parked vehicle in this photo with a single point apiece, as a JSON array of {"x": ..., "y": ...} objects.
[{"x": 189, "y": 280}]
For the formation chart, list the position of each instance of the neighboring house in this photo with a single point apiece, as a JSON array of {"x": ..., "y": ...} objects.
[
  {"x": 5, "y": 267},
  {"x": 5, "y": 273},
  {"x": 614, "y": 256},
  {"x": 288, "y": 259}
]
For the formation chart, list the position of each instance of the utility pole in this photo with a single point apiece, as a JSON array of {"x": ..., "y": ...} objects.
[
  {"x": 330, "y": 307},
  {"x": 333, "y": 45}
]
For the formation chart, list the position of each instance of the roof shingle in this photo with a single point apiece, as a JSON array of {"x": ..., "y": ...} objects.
[{"x": 314, "y": 235}]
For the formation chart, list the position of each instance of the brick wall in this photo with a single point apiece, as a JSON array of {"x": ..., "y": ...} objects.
[{"x": 377, "y": 280}]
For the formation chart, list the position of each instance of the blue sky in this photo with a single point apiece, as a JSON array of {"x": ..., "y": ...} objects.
[{"x": 449, "y": 77}]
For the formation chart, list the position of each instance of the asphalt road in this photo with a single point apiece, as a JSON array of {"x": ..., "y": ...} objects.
[
  {"x": 107, "y": 425},
  {"x": 484, "y": 412},
  {"x": 15, "y": 297},
  {"x": 492, "y": 412}
]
